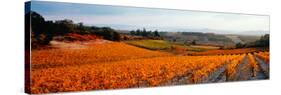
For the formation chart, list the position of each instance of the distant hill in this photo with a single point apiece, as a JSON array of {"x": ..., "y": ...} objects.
[
  {"x": 123, "y": 29},
  {"x": 256, "y": 33},
  {"x": 198, "y": 38}
]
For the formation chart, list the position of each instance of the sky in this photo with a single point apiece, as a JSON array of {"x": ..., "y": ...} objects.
[{"x": 127, "y": 18}]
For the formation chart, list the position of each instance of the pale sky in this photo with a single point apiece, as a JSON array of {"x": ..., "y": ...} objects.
[{"x": 91, "y": 14}]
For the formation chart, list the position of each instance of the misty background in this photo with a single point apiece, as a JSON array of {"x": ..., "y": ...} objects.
[{"x": 132, "y": 18}]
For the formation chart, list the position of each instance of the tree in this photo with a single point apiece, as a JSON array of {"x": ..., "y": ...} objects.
[
  {"x": 116, "y": 36},
  {"x": 240, "y": 45},
  {"x": 42, "y": 32},
  {"x": 193, "y": 42},
  {"x": 156, "y": 34},
  {"x": 39, "y": 29},
  {"x": 149, "y": 33},
  {"x": 132, "y": 32},
  {"x": 144, "y": 33},
  {"x": 64, "y": 27},
  {"x": 109, "y": 34},
  {"x": 80, "y": 25},
  {"x": 174, "y": 40},
  {"x": 263, "y": 41},
  {"x": 138, "y": 32},
  {"x": 81, "y": 29}
]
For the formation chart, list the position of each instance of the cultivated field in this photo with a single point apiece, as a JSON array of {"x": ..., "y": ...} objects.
[
  {"x": 111, "y": 65},
  {"x": 64, "y": 54}
]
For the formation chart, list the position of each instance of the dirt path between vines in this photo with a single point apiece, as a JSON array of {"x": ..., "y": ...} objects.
[
  {"x": 263, "y": 72},
  {"x": 244, "y": 72}
]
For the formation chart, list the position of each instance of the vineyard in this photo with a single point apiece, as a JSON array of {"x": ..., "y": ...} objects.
[
  {"x": 224, "y": 52},
  {"x": 119, "y": 65},
  {"x": 93, "y": 53}
]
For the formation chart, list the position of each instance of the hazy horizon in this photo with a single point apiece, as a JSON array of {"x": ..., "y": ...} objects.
[{"x": 131, "y": 18}]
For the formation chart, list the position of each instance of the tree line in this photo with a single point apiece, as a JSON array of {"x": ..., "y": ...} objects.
[
  {"x": 262, "y": 42},
  {"x": 43, "y": 31},
  {"x": 145, "y": 33}
]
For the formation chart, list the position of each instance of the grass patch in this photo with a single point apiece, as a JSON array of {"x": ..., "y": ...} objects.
[
  {"x": 201, "y": 48},
  {"x": 195, "y": 49},
  {"x": 151, "y": 44},
  {"x": 165, "y": 45}
]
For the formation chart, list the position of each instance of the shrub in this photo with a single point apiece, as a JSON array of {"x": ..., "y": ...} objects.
[{"x": 78, "y": 37}]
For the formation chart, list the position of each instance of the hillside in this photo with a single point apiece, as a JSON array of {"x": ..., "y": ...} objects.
[{"x": 110, "y": 65}]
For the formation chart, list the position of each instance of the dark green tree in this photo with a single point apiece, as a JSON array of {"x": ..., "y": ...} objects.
[
  {"x": 138, "y": 32},
  {"x": 156, "y": 33},
  {"x": 193, "y": 42},
  {"x": 240, "y": 45},
  {"x": 64, "y": 27},
  {"x": 144, "y": 32},
  {"x": 39, "y": 29},
  {"x": 263, "y": 41},
  {"x": 132, "y": 32},
  {"x": 109, "y": 34}
]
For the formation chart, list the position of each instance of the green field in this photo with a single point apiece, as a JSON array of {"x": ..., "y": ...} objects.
[
  {"x": 165, "y": 45},
  {"x": 200, "y": 48},
  {"x": 151, "y": 44}
]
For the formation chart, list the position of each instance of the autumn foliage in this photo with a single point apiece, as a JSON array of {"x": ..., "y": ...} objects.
[
  {"x": 253, "y": 63},
  {"x": 231, "y": 68},
  {"x": 223, "y": 52},
  {"x": 79, "y": 37},
  {"x": 264, "y": 56},
  {"x": 93, "y": 53},
  {"x": 118, "y": 65}
]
